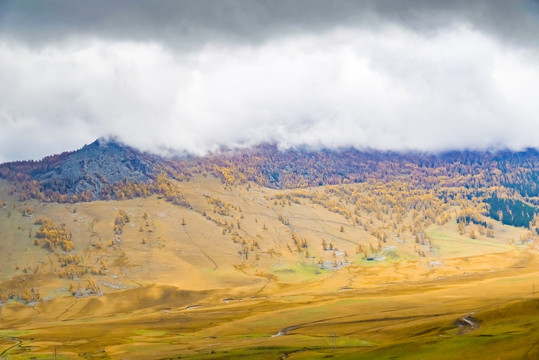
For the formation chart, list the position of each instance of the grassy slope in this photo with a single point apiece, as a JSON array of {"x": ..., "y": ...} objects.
[{"x": 187, "y": 291}]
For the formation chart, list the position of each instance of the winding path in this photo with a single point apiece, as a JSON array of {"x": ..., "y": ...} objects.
[
  {"x": 19, "y": 342},
  {"x": 202, "y": 251}
]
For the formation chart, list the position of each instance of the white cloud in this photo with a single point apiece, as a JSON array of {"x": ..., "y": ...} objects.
[{"x": 389, "y": 89}]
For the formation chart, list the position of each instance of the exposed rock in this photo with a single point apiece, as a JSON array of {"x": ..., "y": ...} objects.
[
  {"x": 101, "y": 162},
  {"x": 89, "y": 169},
  {"x": 467, "y": 323}
]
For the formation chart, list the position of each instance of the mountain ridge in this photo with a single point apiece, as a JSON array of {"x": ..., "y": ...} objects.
[{"x": 103, "y": 168}]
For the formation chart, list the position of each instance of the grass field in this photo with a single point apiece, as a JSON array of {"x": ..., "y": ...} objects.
[{"x": 238, "y": 274}]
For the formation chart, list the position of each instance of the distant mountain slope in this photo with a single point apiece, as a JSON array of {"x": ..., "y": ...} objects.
[
  {"x": 84, "y": 172},
  {"x": 101, "y": 162},
  {"x": 108, "y": 169},
  {"x": 296, "y": 168}
]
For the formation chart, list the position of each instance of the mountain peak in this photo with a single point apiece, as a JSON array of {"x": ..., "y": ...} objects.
[
  {"x": 106, "y": 142},
  {"x": 105, "y": 161},
  {"x": 88, "y": 170}
]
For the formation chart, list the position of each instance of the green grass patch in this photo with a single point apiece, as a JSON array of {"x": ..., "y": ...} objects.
[
  {"x": 14, "y": 333},
  {"x": 456, "y": 244},
  {"x": 299, "y": 272}
]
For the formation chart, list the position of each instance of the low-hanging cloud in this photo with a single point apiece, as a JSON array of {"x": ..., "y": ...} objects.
[{"x": 387, "y": 89}]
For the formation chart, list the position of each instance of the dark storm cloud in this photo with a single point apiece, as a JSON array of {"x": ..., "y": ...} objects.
[{"x": 186, "y": 24}]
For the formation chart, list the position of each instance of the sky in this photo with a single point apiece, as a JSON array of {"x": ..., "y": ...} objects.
[{"x": 194, "y": 76}]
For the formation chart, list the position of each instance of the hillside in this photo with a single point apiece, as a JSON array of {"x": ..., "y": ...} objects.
[
  {"x": 344, "y": 253},
  {"x": 107, "y": 169}
]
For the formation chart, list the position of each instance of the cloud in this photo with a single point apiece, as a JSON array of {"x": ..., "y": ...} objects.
[
  {"x": 187, "y": 24},
  {"x": 393, "y": 88}
]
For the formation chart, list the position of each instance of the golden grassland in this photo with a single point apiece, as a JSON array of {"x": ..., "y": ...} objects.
[{"x": 242, "y": 273}]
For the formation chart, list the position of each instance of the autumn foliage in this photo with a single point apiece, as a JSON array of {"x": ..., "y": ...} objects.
[
  {"x": 51, "y": 235},
  {"x": 493, "y": 176}
]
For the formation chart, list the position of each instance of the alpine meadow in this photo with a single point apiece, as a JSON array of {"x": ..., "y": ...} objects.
[{"x": 250, "y": 179}]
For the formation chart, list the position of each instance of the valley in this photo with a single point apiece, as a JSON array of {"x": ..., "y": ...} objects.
[
  {"x": 235, "y": 269},
  {"x": 269, "y": 180}
]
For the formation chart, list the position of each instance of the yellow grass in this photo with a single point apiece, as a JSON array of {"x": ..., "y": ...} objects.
[{"x": 189, "y": 291}]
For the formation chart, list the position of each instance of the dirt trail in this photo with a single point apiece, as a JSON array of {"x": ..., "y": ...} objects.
[
  {"x": 19, "y": 342},
  {"x": 332, "y": 322},
  {"x": 202, "y": 251}
]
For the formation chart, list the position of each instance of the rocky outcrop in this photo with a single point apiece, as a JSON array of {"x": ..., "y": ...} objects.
[
  {"x": 95, "y": 165},
  {"x": 85, "y": 171}
]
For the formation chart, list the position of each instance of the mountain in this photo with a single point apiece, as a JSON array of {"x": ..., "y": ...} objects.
[
  {"x": 102, "y": 162},
  {"x": 86, "y": 171},
  {"x": 107, "y": 169}
]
